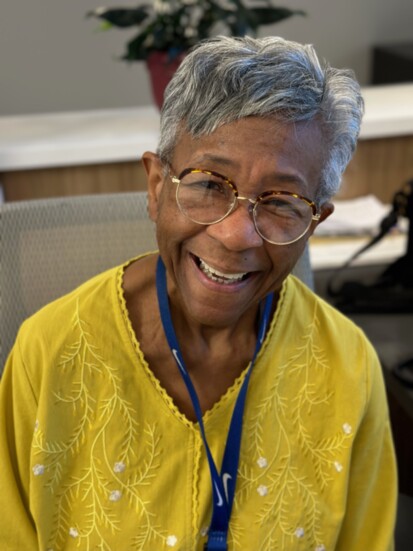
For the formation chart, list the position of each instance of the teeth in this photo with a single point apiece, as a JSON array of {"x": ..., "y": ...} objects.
[{"x": 216, "y": 275}]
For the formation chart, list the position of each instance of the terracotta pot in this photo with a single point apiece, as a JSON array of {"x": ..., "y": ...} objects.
[{"x": 161, "y": 70}]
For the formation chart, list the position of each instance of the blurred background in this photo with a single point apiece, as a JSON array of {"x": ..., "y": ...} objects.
[{"x": 53, "y": 58}]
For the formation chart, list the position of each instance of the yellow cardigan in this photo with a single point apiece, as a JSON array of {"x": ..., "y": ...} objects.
[{"x": 95, "y": 455}]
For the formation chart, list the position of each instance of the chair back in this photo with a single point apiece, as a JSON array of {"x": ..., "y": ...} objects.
[{"x": 50, "y": 246}]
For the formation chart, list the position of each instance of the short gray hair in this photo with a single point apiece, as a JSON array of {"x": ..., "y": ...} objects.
[{"x": 225, "y": 79}]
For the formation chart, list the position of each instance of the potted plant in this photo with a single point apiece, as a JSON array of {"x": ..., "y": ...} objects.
[{"x": 167, "y": 29}]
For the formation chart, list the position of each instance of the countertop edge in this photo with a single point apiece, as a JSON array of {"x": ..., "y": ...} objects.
[{"x": 122, "y": 135}]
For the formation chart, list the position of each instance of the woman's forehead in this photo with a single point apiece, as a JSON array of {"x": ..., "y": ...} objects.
[{"x": 257, "y": 149}]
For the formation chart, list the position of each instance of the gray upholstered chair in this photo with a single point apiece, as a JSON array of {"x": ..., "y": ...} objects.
[{"x": 50, "y": 246}]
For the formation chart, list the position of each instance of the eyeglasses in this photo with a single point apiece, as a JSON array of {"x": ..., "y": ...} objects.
[{"x": 206, "y": 197}]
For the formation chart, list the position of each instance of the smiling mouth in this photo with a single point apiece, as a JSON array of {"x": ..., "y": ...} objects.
[{"x": 219, "y": 277}]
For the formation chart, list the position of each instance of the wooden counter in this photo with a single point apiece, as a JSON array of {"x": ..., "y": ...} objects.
[{"x": 99, "y": 151}]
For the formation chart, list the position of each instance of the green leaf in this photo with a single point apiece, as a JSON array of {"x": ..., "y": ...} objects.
[
  {"x": 167, "y": 31},
  {"x": 122, "y": 17},
  {"x": 267, "y": 16},
  {"x": 136, "y": 50},
  {"x": 105, "y": 25}
]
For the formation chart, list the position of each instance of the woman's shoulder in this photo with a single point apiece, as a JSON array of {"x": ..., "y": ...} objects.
[
  {"x": 93, "y": 304},
  {"x": 44, "y": 335},
  {"x": 332, "y": 331},
  {"x": 60, "y": 308},
  {"x": 310, "y": 305},
  {"x": 98, "y": 303}
]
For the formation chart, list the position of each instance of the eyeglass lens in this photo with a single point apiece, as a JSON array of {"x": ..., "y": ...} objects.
[{"x": 207, "y": 199}]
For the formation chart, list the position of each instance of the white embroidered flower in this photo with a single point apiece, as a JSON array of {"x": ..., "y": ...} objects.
[
  {"x": 119, "y": 467},
  {"x": 338, "y": 466},
  {"x": 36, "y": 425},
  {"x": 262, "y": 462},
  {"x": 320, "y": 547},
  {"x": 171, "y": 541},
  {"x": 73, "y": 532},
  {"x": 299, "y": 533},
  {"x": 204, "y": 531},
  {"x": 347, "y": 429},
  {"x": 262, "y": 490},
  {"x": 38, "y": 469},
  {"x": 115, "y": 495}
]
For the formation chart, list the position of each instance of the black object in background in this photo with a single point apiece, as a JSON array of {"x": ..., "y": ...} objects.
[
  {"x": 392, "y": 63},
  {"x": 392, "y": 292}
]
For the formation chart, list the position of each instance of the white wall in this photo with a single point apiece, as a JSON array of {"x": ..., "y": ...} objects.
[{"x": 53, "y": 59}]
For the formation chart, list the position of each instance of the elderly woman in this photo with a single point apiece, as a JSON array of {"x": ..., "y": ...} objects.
[{"x": 200, "y": 397}]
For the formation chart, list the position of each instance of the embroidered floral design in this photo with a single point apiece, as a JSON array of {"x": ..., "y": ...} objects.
[
  {"x": 290, "y": 419},
  {"x": 119, "y": 467},
  {"x": 299, "y": 533},
  {"x": 262, "y": 490},
  {"x": 38, "y": 470},
  {"x": 262, "y": 462},
  {"x": 73, "y": 532},
  {"x": 338, "y": 466},
  {"x": 98, "y": 486},
  {"x": 171, "y": 541},
  {"x": 115, "y": 495}
]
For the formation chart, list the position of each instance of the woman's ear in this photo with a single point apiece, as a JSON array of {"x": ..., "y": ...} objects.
[
  {"x": 155, "y": 179},
  {"x": 325, "y": 211}
]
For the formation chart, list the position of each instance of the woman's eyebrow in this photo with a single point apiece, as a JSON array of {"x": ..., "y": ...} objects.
[
  {"x": 210, "y": 157},
  {"x": 289, "y": 179},
  {"x": 275, "y": 178}
]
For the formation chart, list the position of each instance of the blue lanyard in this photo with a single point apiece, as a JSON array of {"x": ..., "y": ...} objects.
[{"x": 223, "y": 484}]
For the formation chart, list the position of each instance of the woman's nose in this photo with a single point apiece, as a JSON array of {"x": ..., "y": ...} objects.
[{"x": 237, "y": 231}]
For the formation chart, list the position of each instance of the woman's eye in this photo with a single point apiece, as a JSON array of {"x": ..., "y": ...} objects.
[
  {"x": 281, "y": 207},
  {"x": 211, "y": 185},
  {"x": 278, "y": 204}
]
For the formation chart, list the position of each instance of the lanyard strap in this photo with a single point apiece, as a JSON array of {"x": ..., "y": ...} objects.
[{"x": 223, "y": 484}]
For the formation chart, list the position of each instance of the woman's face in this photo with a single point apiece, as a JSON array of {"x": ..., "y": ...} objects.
[{"x": 220, "y": 272}]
